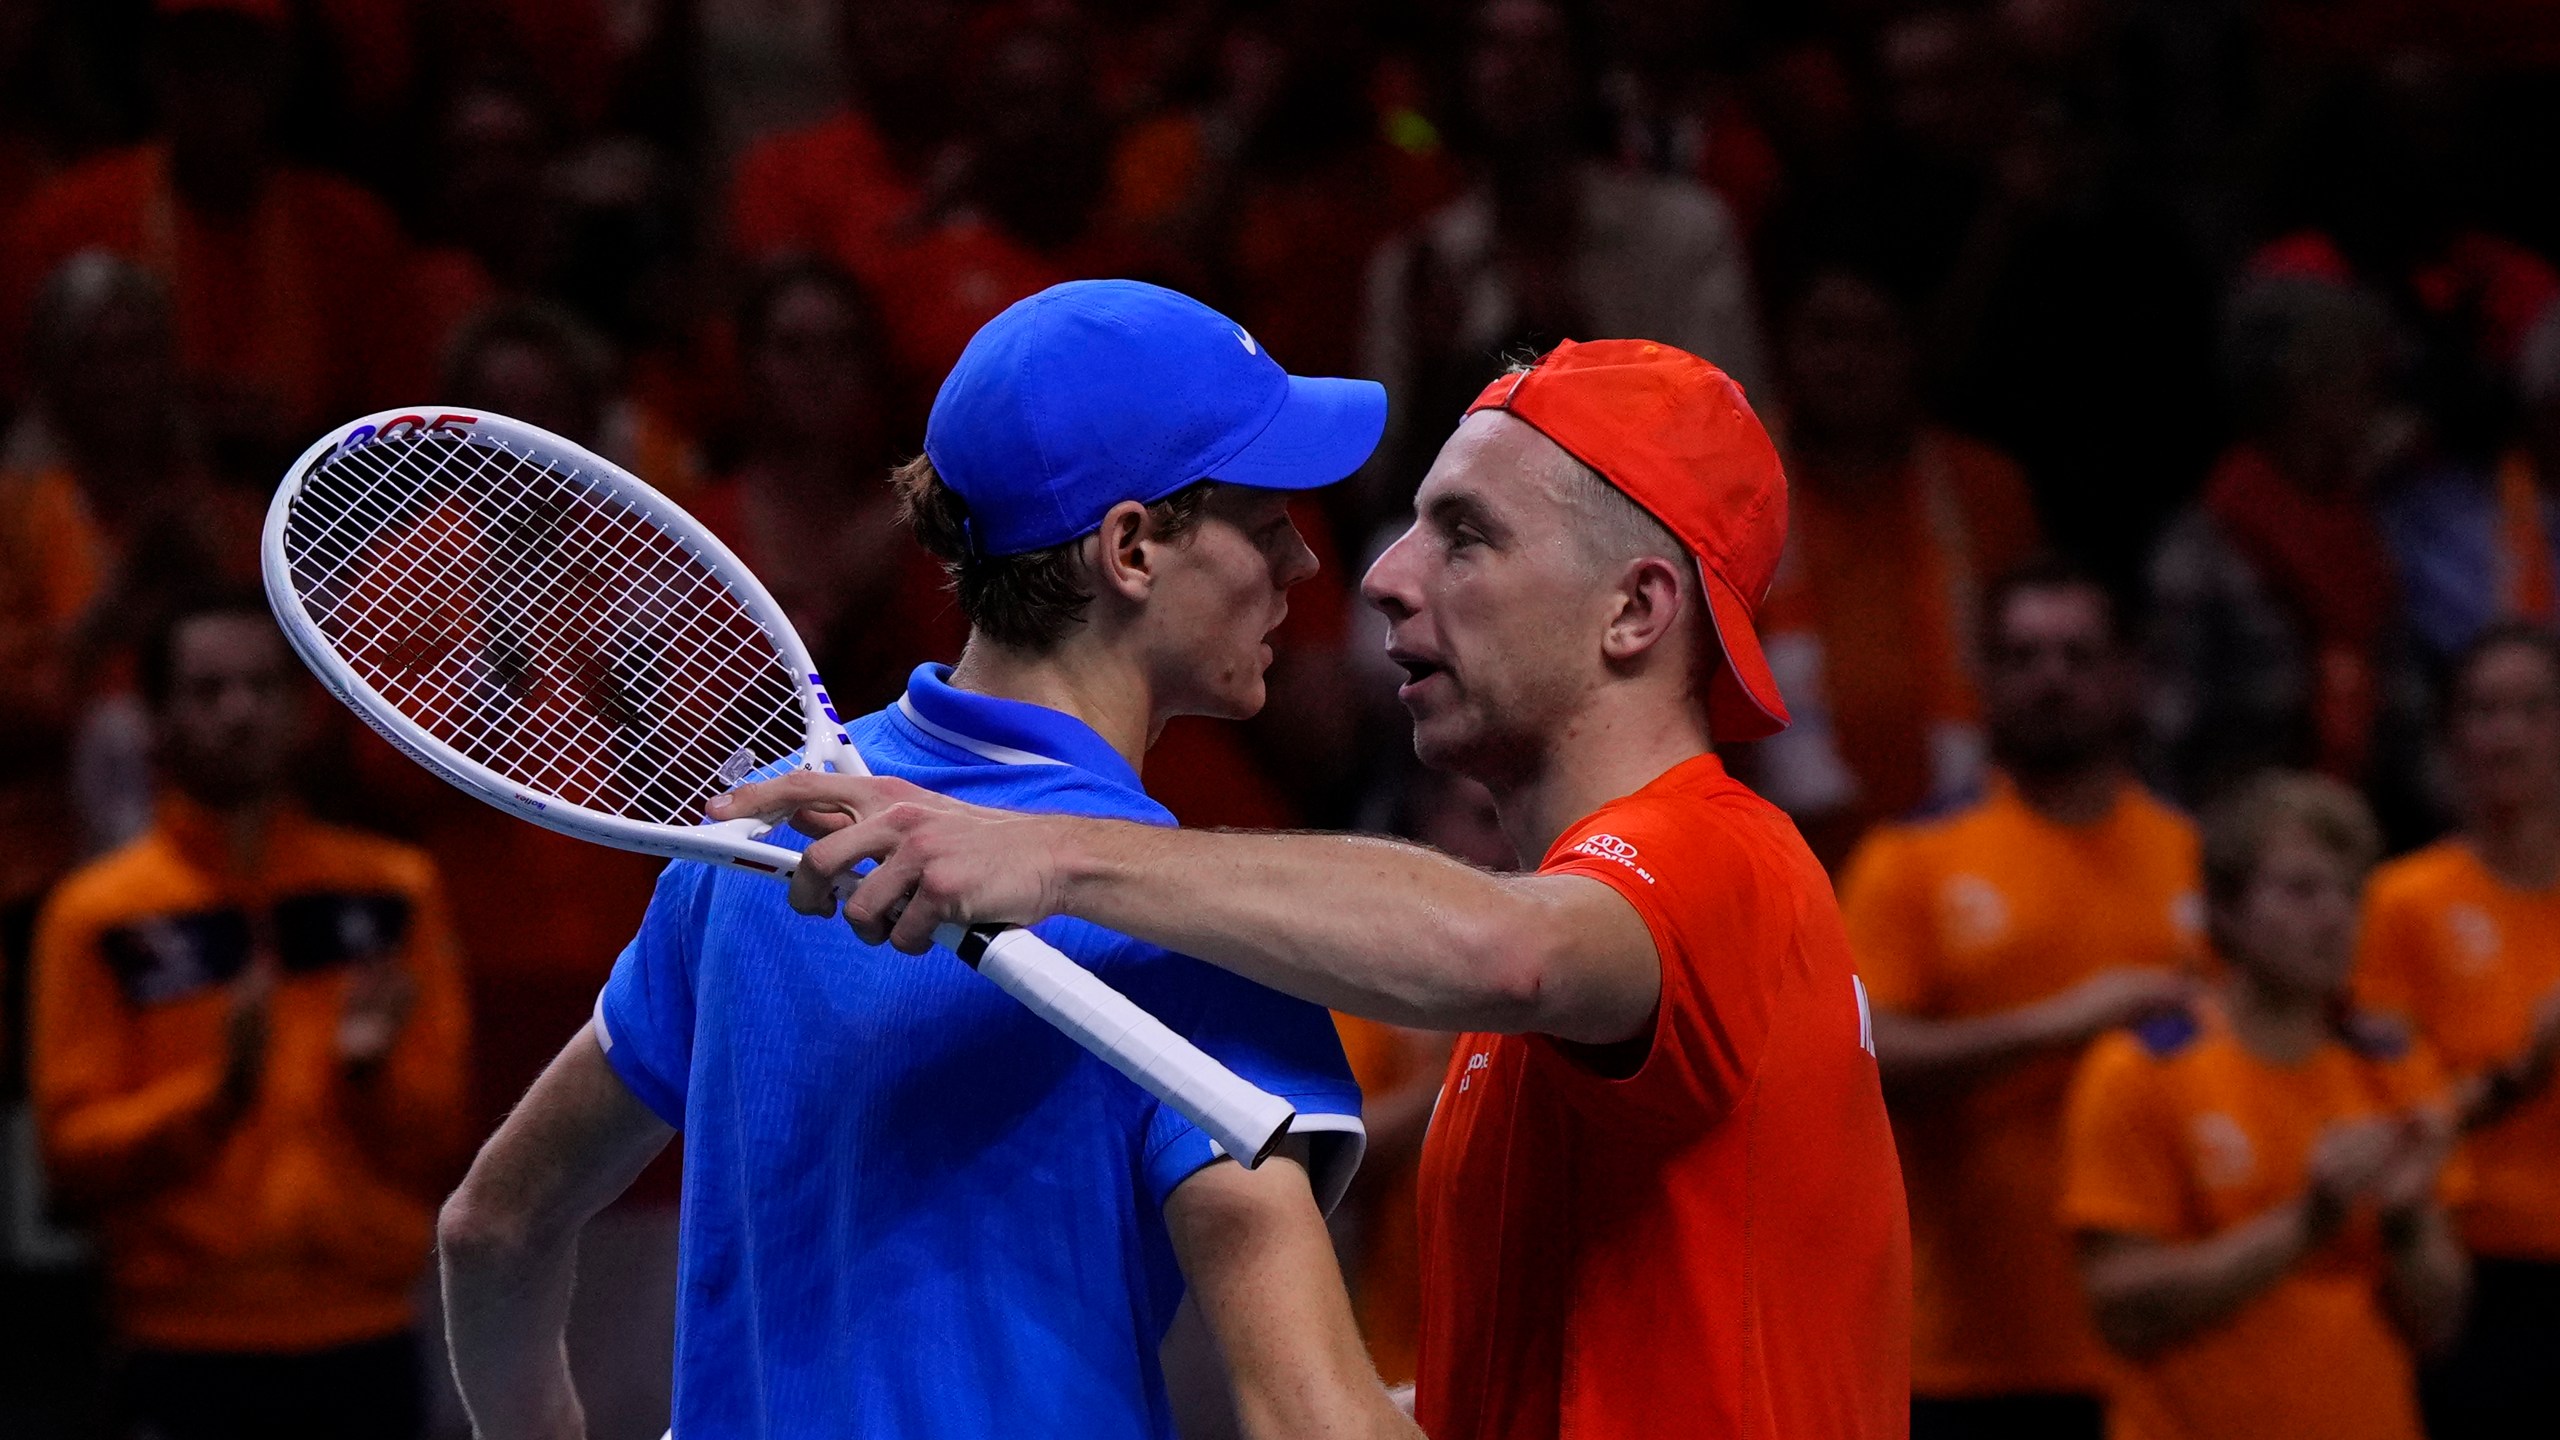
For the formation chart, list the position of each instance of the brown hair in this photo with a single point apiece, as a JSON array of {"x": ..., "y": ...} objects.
[
  {"x": 2237, "y": 829},
  {"x": 1023, "y": 602}
]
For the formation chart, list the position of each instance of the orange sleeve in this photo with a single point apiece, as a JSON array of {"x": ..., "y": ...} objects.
[
  {"x": 1884, "y": 902},
  {"x": 2123, "y": 1168},
  {"x": 419, "y": 1104},
  {"x": 106, "y": 1139},
  {"x": 2391, "y": 954},
  {"x": 1722, "y": 920}
]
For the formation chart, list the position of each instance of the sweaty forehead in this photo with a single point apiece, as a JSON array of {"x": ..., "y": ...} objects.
[{"x": 1501, "y": 461}]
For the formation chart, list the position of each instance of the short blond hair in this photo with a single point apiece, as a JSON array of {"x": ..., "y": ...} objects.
[{"x": 2238, "y": 828}]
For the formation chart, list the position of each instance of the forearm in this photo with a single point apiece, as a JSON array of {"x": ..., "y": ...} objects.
[
  {"x": 507, "y": 1240},
  {"x": 1261, "y": 1268},
  {"x": 1914, "y": 1054},
  {"x": 2429, "y": 1281},
  {"x": 1378, "y": 928},
  {"x": 506, "y": 1305},
  {"x": 2155, "y": 1295}
]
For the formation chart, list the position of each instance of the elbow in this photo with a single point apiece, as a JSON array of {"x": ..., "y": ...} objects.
[
  {"x": 476, "y": 1231},
  {"x": 1516, "y": 968}
]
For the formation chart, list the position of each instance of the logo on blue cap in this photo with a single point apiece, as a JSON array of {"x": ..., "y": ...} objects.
[{"x": 1099, "y": 391}]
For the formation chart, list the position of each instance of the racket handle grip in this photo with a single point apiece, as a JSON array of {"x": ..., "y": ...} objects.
[{"x": 1246, "y": 1121}]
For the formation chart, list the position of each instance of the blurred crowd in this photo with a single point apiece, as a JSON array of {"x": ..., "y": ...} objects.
[{"x": 2170, "y": 392}]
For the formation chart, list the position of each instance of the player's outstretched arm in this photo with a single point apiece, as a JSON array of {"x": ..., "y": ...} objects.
[
  {"x": 508, "y": 1240},
  {"x": 1253, "y": 1246},
  {"x": 1380, "y": 928}
]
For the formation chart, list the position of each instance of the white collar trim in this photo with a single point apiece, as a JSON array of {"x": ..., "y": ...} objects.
[{"x": 1001, "y": 754}]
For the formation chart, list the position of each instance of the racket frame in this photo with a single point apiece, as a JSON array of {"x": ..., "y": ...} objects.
[{"x": 1244, "y": 1122}]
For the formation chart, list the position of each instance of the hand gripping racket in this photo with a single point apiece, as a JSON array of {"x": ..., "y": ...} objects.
[{"x": 535, "y": 625}]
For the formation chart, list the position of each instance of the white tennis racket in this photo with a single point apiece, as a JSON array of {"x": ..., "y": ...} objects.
[{"x": 537, "y": 626}]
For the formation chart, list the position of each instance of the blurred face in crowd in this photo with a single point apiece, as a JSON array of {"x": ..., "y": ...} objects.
[
  {"x": 494, "y": 196},
  {"x": 218, "y": 75},
  {"x": 898, "y": 55},
  {"x": 1520, "y": 82},
  {"x": 810, "y": 370},
  {"x": 2505, "y": 729},
  {"x": 1944, "y": 95},
  {"x": 534, "y": 385},
  {"x": 2056, "y": 687},
  {"x": 1848, "y": 359},
  {"x": 229, "y": 727},
  {"x": 2293, "y": 929},
  {"x": 1495, "y": 601},
  {"x": 1042, "y": 150},
  {"x": 114, "y": 388}
]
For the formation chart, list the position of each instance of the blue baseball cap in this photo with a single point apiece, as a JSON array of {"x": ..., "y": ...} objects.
[{"x": 1099, "y": 391}]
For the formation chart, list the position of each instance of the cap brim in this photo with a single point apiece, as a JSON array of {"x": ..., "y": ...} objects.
[
  {"x": 1324, "y": 429},
  {"x": 1742, "y": 696}
]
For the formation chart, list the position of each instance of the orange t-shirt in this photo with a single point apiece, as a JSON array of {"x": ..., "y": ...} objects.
[
  {"x": 1984, "y": 911},
  {"x": 1715, "y": 1244},
  {"x": 305, "y": 1221},
  {"x": 284, "y": 302},
  {"x": 829, "y": 189},
  {"x": 2466, "y": 958},
  {"x": 2179, "y": 1133},
  {"x": 1879, "y": 590}
]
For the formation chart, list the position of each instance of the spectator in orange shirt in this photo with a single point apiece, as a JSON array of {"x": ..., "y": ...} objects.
[
  {"x": 1897, "y": 525},
  {"x": 248, "y": 1070},
  {"x": 2260, "y": 1185},
  {"x": 840, "y": 189},
  {"x": 1547, "y": 242},
  {"x": 104, "y": 506},
  {"x": 2463, "y": 939},
  {"x": 1019, "y": 199},
  {"x": 809, "y": 506},
  {"x": 278, "y": 275},
  {"x": 1995, "y": 944}
]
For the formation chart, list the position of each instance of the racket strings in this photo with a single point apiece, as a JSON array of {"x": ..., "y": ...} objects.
[
  {"x": 536, "y": 565},
  {"x": 507, "y": 663},
  {"x": 539, "y": 626}
]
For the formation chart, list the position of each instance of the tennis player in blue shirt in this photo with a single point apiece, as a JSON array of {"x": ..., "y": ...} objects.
[{"x": 912, "y": 1209}]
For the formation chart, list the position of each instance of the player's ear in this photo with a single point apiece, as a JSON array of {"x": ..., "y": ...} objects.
[
  {"x": 1645, "y": 609},
  {"x": 1122, "y": 553}
]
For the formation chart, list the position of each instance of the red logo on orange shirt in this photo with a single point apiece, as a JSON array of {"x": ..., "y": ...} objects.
[{"x": 1610, "y": 847}]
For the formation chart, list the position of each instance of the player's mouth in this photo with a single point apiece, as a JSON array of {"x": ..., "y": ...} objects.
[{"x": 1419, "y": 670}]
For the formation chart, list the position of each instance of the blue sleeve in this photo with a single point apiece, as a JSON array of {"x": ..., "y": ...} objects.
[
  {"x": 644, "y": 1018},
  {"x": 1286, "y": 1046}
]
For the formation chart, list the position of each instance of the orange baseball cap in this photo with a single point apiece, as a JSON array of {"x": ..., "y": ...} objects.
[{"x": 1676, "y": 436}]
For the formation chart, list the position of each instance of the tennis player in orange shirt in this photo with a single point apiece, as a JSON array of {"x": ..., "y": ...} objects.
[{"x": 1660, "y": 1196}]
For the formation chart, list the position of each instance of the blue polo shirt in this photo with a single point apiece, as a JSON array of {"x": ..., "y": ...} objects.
[{"x": 911, "y": 1208}]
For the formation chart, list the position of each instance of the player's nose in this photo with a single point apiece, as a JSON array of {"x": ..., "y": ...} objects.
[{"x": 1393, "y": 583}]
